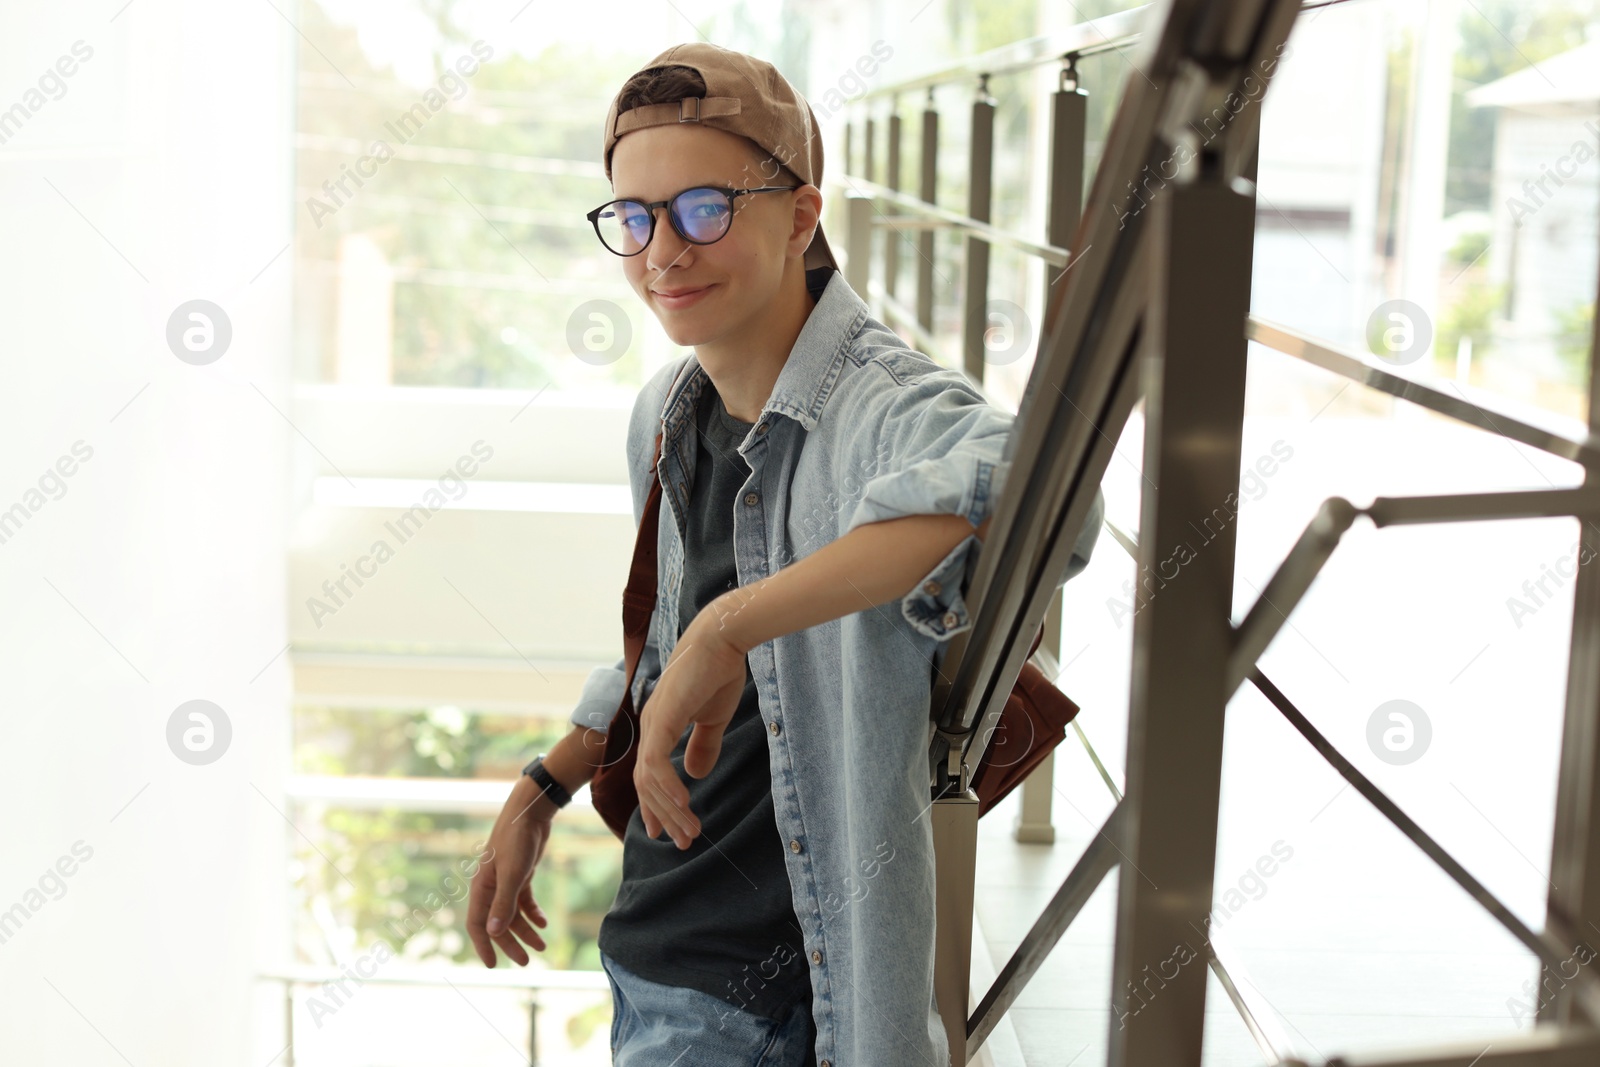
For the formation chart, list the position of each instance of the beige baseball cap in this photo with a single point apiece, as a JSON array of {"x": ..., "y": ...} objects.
[{"x": 746, "y": 96}]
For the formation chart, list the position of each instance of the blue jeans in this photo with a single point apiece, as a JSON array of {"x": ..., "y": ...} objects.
[{"x": 655, "y": 1025}]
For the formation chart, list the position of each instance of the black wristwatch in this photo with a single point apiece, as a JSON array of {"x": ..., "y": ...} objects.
[{"x": 551, "y": 788}]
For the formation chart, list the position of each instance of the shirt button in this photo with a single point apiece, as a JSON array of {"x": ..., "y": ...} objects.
[
  {"x": 816, "y": 957},
  {"x": 776, "y": 729},
  {"x": 762, "y": 428},
  {"x": 950, "y": 618},
  {"x": 824, "y": 1063},
  {"x": 794, "y": 846},
  {"x": 931, "y": 588},
  {"x": 751, "y": 498}
]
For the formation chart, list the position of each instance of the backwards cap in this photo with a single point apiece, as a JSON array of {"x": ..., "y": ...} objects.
[{"x": 745, "y": 96}]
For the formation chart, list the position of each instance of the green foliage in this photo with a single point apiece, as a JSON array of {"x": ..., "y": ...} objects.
[
  {"x": 1468, "y": 248},
  {"x": 1471, "y": 314},
  {"x": 437, "y": 742},
  {"x": 583, "y": 1024},
  {"x": 1574, "y": 336},
  {"x": 402, "y": 876},
  {"x": 473, "y": 213}
]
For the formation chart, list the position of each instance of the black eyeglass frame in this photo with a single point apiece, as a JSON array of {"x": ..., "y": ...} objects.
[{"x": 672, "y": 216}]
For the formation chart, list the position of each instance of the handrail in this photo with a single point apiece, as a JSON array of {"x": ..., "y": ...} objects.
[
  {"x": 1082, "y": 39},
  {"x": 1311, "y": 551},
  {"x": 906, "y": 316},
  {"x": 478, "y": 977},
  {"x": 363, "y": 792},
  {"x": 955, "y": 220},
  {"x": 1105, "y": 33},
  {"x": 532, "y": 980},
  {"x": 1472, "y": 406}
]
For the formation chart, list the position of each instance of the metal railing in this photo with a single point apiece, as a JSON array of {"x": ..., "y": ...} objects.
[
  {"x": 336, "y": 983},
  {"x": 1161, "y": 310}
]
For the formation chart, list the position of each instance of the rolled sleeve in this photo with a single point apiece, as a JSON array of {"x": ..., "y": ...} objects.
[
  {"x": 602, "y": 690},
  {"x": 601, "y": 696},
  {"x": 936, "y": 607},
  {"x": 942, "y": 445},
  {"x": 944, "y": 449}
]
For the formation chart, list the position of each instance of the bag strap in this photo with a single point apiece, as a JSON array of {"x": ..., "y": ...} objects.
[
  {"x": 639, "y": 597},
  {"x": 611, "y": 788}
]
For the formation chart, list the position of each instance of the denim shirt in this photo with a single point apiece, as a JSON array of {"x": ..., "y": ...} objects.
[{"x": 859, "y": 428}]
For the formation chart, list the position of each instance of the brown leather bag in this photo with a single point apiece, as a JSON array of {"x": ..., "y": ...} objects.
[{"x": 1032, "y": 723}]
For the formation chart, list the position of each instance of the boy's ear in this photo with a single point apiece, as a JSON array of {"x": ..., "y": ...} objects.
[{"x": 807, "y": 217}]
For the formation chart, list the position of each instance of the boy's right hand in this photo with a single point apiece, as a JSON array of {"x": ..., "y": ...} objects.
[{"x": 501, "y": 908}]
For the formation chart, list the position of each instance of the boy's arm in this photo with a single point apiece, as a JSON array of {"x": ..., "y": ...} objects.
[
  {"x": 571, "y": 761},
  {"x": 871, "y": 565},
  {"x": 911, "y": 536}
]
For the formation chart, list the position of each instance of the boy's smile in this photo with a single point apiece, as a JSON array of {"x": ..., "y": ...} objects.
[{"x": 681, "y": 297}]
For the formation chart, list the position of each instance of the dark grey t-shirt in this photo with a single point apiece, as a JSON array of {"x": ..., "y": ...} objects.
[{"x": 717, "y": 916}]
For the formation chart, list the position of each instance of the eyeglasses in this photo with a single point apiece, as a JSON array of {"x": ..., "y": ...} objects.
[{"x": 700, "y": 216}]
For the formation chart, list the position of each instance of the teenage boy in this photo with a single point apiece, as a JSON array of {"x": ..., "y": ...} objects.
[{"x": 825, "y": 492}]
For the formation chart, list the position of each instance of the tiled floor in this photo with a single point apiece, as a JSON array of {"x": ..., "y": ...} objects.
[{"x": 1345, "y": 961}]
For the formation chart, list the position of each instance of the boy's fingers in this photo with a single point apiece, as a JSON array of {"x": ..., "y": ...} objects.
[
  {"x": 705, "y": 745},
  {"x": 505, "y": 901},
  {"x": 530, "y": 907},
  {"x": 478, "y": 910},
  {"x": 523, "y": 929},
  {"x": 513, "y": 948},
  {"x": 675, "y": 812}
]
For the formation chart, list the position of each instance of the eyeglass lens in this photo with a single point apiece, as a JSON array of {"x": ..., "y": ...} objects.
[{"x": 701, "y": 214}]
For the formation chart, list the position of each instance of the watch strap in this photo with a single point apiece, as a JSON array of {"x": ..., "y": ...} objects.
[{"x": 551, "y": 788}]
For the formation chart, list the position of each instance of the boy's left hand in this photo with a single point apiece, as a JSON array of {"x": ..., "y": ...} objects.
[{"x": 700, "y": 685}]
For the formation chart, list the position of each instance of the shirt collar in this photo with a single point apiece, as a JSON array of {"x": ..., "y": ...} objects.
[{"x": 811, "y": 370}]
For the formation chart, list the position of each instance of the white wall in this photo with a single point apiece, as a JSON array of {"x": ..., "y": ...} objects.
[
  {"x": 162, "y": 174},
  {"x": 1543, "y": 240}
]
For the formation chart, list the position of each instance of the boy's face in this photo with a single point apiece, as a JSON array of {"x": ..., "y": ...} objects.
[{"x": 741, "y": 272}]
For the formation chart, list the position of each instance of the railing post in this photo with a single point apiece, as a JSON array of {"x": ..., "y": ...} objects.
[
  {"x": 858, "y": 242},
  {"x": 1194, "y": 348},
  {"x": 955, "y": 859},
  {"x": 1574, "y": 899},
  {"x": 869, "y": 152},
  {"x": 927, "y": 189},
  {"x": 891, "y": 247},
  {"x": 288, "y": 1022},
  {"x": 1069, "y": 131},
  {"x": 869, "y": 171},
  {"x": 1069, "y": 111},
  {"x": 980, "y": 172},
  {"x": 955, "y": 819},
  {"x": 1033, "y": 824},
  {"x": 533, "y": 1028}
]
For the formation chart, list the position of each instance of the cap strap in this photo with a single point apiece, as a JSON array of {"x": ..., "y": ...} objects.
[{"x": 690, "y": 109}]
